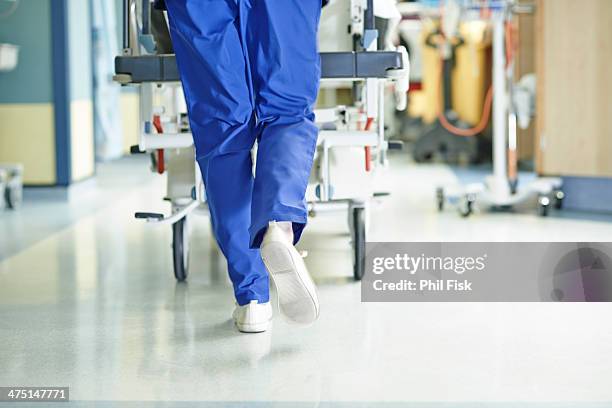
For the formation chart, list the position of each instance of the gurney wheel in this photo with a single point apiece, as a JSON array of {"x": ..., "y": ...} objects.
[
  {"x": 466, "y": 206},
  {"x": 180, "y": 249},
  {"x": 543, "y": 205},
  {"x": 13, "y": 197},
  {"x": 559, "y": 197},
  {"x": 359, "y": 240},
  {"x": 440, "y": 198}
]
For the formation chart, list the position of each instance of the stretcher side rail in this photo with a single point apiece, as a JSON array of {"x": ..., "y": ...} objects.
[{"x": 334, "y": 65}]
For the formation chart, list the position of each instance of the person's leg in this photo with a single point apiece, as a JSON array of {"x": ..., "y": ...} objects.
[
  {"x": 208, "y": 45},
  {"x": 285, "y": 64}
]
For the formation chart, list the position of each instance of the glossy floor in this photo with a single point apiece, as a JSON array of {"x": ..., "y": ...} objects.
[{"x": 92, "y": 304}]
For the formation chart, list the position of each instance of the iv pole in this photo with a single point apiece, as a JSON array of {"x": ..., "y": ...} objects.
[{"x": 496, "y": 191}]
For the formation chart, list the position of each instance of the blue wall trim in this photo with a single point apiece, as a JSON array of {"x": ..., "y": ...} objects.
[
  {"x": 588, "y": 194},
  {"x": 61, "y": 90}
]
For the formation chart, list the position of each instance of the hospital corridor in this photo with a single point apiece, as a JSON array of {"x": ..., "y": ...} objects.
[
  {"x": 92, "y": 302},
  {"x": 341, "y": 203}
]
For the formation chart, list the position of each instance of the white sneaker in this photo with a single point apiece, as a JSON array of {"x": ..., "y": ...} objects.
[
  {"x": 297, "y": 294},
  {"x": 253, "y": 317}
]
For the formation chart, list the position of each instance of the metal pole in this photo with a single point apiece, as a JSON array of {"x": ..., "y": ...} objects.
[
  {"x": 500, "y": 104},
  {"x": 370, "y": 34},
  {"x": 146, "y": 17},
  {"x": 382, "y": 149},
  {"x": 368, "y": 23},
  {"x": 126, "y": 24}
]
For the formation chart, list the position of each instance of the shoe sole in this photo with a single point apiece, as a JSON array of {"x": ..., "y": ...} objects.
[
  {"x": 253, "y": 328},
  {"x": 296, "y": 292}
]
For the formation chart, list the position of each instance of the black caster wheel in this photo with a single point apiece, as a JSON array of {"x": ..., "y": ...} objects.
[
  {"x": 13, "y": 197},
  {"x": 180, "y": 249},
  {"x": 153, "y": 162},
  {"x": 466, "y": 206},
  {"x": 559, "y": 197},
  {"x": 359, "y": 242},
  {"x": 440, "y": 198},
  {"x": 513, "y": 186},
  {"x": 543, "y": 205}
]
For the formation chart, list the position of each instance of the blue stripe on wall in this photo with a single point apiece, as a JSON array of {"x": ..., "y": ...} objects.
[
  {"x": 588, "y": 194},
  {"x": 61, "y": 90}
]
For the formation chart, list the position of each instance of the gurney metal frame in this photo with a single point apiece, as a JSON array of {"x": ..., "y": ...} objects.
[{"x": 153, "y": 72}]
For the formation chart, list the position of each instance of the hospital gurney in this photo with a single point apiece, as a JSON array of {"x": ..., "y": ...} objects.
[{"x": 148, "y": 63}]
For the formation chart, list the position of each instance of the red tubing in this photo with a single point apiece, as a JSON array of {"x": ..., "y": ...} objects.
[
  {"x": 368, "y": 149},
  {"x": 484, "y": 119},
  {"x": 161, "y": 165}
]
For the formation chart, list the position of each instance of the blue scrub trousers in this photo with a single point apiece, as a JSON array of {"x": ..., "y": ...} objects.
[{"x": 250, "y": 71}]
